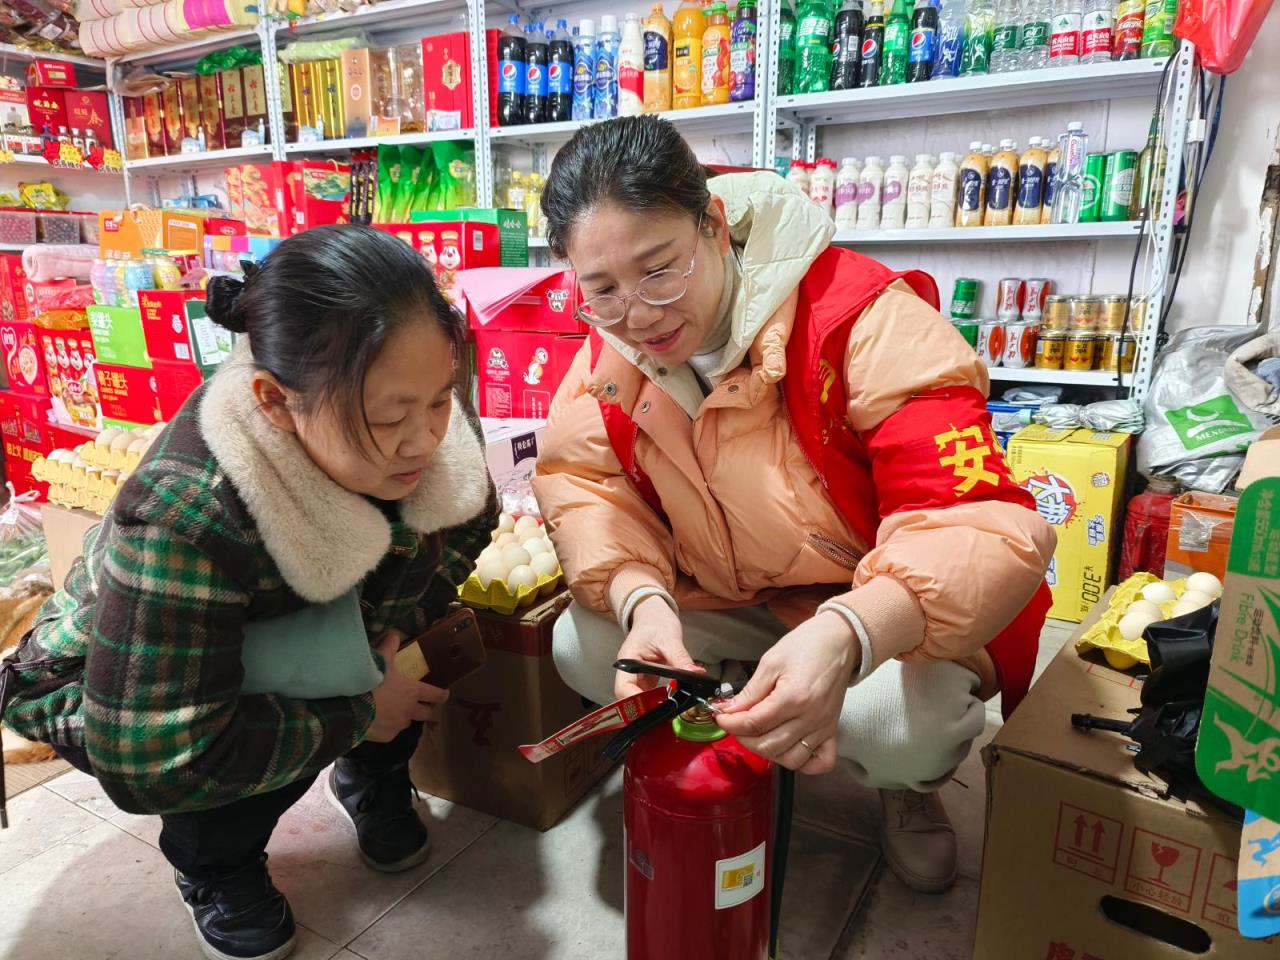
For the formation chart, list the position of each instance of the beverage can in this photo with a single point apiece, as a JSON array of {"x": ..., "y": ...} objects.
[
  {"x": 1057, "y": 313},
  {"x": 1095, "y": 175},
  {"x": 1019, "y": 345},
  {"x": 1012, "y": 296},
  {"x": 1080, "y": 347},
  {"x": 1051, "y": 347},
  {"x": 1117, "y": 191},
  {"x": 1086, "y": 312},
  {"x": 1117, "y": 352},
  {"x": 1037, "y": 292},
  {"x": 964, "y": 299},
  {"x": 1111, "y": 317},
  {"x": 969, "y": 330},
  {"x": 1126, "y": 43},
  {"x": 991, "y": 341}
]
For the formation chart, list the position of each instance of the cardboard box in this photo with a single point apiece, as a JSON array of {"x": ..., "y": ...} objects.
[
  {"x": 1200, "y": 527},
  {"x": 51, "y": 73},
  {"x": 288, "y": 109},
  {"x": 300, "y": 81},
  {"x": 260, "y": 196},
  {"x": 117, "y": 335},
  {"x": 153, "y": 115},
  {"x": 88, "y": 110},
  {"x": 24, "y": 366},
  {"x": 519, "y": 373},
  {"x": 1081, "y": 849},
  {"x": 177, "y": 330},
  {"x": 127, "y": 393},
  {"x": 329, "y": 90},
  {"x": 547, "y": 306},
  {"x": 254, "y": 84},
  {"x": 13, "y": 109},
  {"x": 517, "y": 697},
  {"x": 447, "y": 82},
  {"x": 29, "y": 434},
  {"x": 47, "y": 107},
  {"x": 174, "y": 383},
  {"x": 13, "y": 278},
  {"x": 192, "y": 112},
  {"x": 1077, "y": 479},
  {"x": 319, "y": 193},
  {"x": 228, "y": 252},
  {"x": 174, "y": 123},
  {"x": 232, "y": 107},
  {"x": 64, "y": 533},
  {"x": 41, "y": 296},
  {"x": 511, "y": 448},
  {"x": 511, "y": 235},
  {"x": 357, "y": 86},
  {"x": 124, "y": 234},
  {"x": 135, "y": 129},
  {"x": 69, "y": 358}
]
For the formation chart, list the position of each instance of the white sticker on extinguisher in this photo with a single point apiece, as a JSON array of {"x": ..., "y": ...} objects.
[{"x": 740, "y": 878}]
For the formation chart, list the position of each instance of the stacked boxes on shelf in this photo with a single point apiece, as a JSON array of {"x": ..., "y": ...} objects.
[{"x": 223, "y": 110}]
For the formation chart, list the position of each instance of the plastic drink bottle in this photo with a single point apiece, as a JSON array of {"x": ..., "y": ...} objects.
[
  {"x": 1157, "y": 32},
  {"x": 631, "y": 68},
  {"x": 1131, "y": 17},
  {"x": 872, "y": 46},
  {"x": 971, "y": 204},
  {"x": 1004, "y": 38},
  {"x": 786, "y": 49},
  {"x": 979, "y": 25},
  {"x": 1031, "y": 166},
  {"x": 686, "y": 73},
  {"x": 537, "y": 84},
  {"x": 846, "y": 49},
  {"x": 657, "y": 61},
  {"x": 1033, "y": 36},
  {"x": 870, "y": 184},
  {"x": 799, "y": 175},
  {"x": 822, "y": 184},
  {"x": 924, "y": 41},
  {"x": 584, "y": 69},
  {"x": 897, "y": 39},
  {"x": 1050, "y": 178},
  {"x": 919, "y": 191},
  {"x": 942, "y": 191},
  {"x": 950, "y": 40},
  {"x": 813, "y": 47},
  {"x": 742, "y": 53},
  {"x": 1002, "y": 180},
  {"x": 847, "y": 193},
  {"x": 604, "y": 102},
  {"x": 715, "y": 55},
  {"x": 511, "y": 74},
  {"x": 1064, "y": 33},
  {"x": 559, "y": 74},
  {"x": 1068, "y": 192},
  {"x": 1097, "y": 25},
  {"x": 893, "y": 194}
]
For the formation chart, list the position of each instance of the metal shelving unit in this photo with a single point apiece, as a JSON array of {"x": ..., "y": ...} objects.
[
  {"x": 1082, "y": 378},
  {"x": 361, "y": 143},
  {"x": 1034, "y": 234},
  {"x": 10, "y": 52}
]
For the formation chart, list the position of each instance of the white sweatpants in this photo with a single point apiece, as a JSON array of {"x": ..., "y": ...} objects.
[{"x": 906, "y": 725}]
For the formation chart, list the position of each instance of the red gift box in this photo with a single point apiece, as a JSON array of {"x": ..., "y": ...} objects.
[
  {"x": 446, "y": 80},
  {"x": 13, "y": 300},
  {"x": 69, "y": 359},
  {"x": 51, "y": 73},
  {"x": 224, "y": 227},
  {"x": 24, "y": 365},
  {"x": 519, "y": 373},
  {"x": 319, "y": 193},
  {"x": 174, "y": 383},
  {"x": 127, "y": 393},
  {"x": 450, "y": 247},
  {"x": 165, "y": 325},
  {"x": 29, "y": 435},
  {"x": 87, "y": 110},
  {"x": 546, "y": 306},
  {"x": 47, "y": 107},
  {"x": 39, "y": 296}
]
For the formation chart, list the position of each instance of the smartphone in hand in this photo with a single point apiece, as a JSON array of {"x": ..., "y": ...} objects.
[{"x": 450, "y": 650}]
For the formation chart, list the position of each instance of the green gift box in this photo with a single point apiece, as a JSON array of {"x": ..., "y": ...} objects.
[{"x": 118, "y": 338}]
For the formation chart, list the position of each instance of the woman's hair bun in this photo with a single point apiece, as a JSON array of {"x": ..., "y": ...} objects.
[{"x": 222, "y": 303}]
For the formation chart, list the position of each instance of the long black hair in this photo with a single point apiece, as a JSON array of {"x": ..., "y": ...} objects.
[
  {"x": 322, "y": 304},
  {"x": 639, "y": 163}
]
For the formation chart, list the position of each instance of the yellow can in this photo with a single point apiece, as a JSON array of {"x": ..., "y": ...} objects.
[
  {"x": 1051, "y": 348},
  {"x": 1137, "y": 314},
  {"x": 1057, "y": 313},
  {"x": 1086, "y": 313},
  {"x": 1112, "y": 313},
  {"x": 1079, "y": 353}
]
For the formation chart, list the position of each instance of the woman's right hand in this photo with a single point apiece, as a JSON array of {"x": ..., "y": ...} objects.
[
  {"x": 656, "y": 637},
  {"x": 397, "y": 700}
]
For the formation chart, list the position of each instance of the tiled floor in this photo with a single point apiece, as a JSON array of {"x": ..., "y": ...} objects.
[{"x": 80, "y": 879}]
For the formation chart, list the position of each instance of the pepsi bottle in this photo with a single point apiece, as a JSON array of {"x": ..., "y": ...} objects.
[
  {"x": 536, "y": 87},
  {"x": 559, "y": 74},
  {"x": 511, "y": 74},
  {"x": 924, "y": 39},
  {"x": 872, "y": 46},
  {"x": 846, "y": 52}
]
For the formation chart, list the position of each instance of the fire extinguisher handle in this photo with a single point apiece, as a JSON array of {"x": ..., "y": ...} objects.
[
  {"x": 622, "y": 740},
  {"x": 697, "y": 684}
]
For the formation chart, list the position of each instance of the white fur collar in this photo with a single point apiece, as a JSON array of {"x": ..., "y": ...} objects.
[{"x": 325, "y": 539}]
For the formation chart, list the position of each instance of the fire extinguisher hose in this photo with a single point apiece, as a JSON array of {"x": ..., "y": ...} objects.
[{"x": 782, "y": 842}]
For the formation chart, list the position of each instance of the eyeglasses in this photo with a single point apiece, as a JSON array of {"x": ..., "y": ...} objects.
[{"x": 657, "y": 289}]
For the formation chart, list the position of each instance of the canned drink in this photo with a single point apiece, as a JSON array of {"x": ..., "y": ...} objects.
[
  {"x": 1095, "y": 173},
  {"x": 1051, "y": 347},
  {"x": 1037, "y": 291},
  {"x": 969, "y": 330},
  {"x": 1013, "y": 292},
  {"x": 1019, "y": 345},
  {"x": 964, "y": 300},
  {"x": 1111, "y": 316},
  {"x": 1057, "y": 313},
  {"x": 991, "y": 341},
  {"x": 1079, "y": 352},
  {"x": 1117, "y": 192},
  {"x": 1119, "y": 351},
  {"x": 1086, "y": 312}
]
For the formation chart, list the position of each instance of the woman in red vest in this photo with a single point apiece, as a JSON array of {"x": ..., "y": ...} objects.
[{"x": 775, "y": 450}]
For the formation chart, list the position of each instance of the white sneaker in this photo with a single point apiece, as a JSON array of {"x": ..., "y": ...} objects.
[{"x": 918, "y": 840}]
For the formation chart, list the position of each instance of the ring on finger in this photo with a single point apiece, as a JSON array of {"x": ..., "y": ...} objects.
[{"x": 813, "y": 751}]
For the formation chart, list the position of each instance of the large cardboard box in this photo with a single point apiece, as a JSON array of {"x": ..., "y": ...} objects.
[
  {"x": 511, "y": 448},
  {"x": 518, "y": 373},
  {"x": 29, "y": 434},
  {"x": 64, "y": 531},
  {"x": 178, "y": 330},
  {"x": 1084, "y": 860},
  {"x": 517, "y": 697},
  {"x": 1077, "y": 480},
  {"x": 447, "y": 82}
]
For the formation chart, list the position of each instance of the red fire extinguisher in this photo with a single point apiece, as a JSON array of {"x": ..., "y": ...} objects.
[{"x": 707, "y": 828}]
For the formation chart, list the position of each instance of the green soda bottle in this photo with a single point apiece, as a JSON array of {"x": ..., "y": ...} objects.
[
  {"x": 1157, "y": 31},
  {"x": 786, "y": 49}
]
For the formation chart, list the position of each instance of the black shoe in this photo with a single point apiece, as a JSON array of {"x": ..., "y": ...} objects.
[
  {"x": 391, "y": 835},
  {"x": 240, "y": 915}
]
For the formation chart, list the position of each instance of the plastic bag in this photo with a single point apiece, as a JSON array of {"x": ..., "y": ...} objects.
[
  {"x": 1122, "y": 416},
  {"x": 1222, "y": 30},
  {"x": 21, "y": 536}
]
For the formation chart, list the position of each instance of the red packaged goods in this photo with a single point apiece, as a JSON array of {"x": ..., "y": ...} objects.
[
  {"x": 174, "y": 383},
  {"x": 223, "y": 227},
  {"x": 50, "y": 73},
  {"x": 29, "y": 435},
  {"x": 171, "y": 99},
  {"x": 87, "y": 110},
  {"x": 522, "y": 299},
  {"x": 447, "y": 84},
  {"x": 45, "y": 296},
  {"x": 23, "y": 365},
  {"x": 13, "y": 301},
  {"x": 232, "y": 107},
  {"x": 259, "y": 195},
  {"x": 48, "y": 108},
  {"x": 211, "y": 111},
  {"x": 519, "y": 373},
  {"x": 127, "y": 393},
  {"x": 69, "y": 358},
  {"x": 192, "y": 117},
  {"x": 319, "y": 192},
  {"x": 451, "y": 247},
  {"x": 153, "y": 118},
  {"x": 135, "y": 128}
]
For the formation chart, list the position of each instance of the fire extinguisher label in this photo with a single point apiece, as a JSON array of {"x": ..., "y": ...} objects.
[{"x": 740, "y": 878}]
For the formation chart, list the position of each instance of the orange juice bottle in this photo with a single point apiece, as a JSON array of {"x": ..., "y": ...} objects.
[
  {"x": 686, "y": 75},
  {"x": 715, "y": 55}
]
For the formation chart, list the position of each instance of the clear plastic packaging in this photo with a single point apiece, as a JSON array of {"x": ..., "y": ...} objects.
[{"x": 22, "y": 542}]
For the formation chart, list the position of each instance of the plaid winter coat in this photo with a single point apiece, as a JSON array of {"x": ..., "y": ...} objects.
[{"x": 226, "y": 522}]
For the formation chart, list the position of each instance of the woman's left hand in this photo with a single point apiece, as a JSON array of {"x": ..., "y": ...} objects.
[{"x": 796, "y": 694}]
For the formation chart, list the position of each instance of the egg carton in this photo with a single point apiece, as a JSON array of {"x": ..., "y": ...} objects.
[{"x": 499, "y": 598}]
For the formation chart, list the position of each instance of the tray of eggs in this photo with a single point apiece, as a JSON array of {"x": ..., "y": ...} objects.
[
  {"x": 515, "y": 570},
  {"x": 1136, "y": 604}
]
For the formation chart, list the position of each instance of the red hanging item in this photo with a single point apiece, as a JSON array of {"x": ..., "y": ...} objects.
[{"x": 1222, "y": 30}]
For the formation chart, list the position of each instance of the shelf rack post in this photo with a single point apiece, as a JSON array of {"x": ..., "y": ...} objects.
[{"x": 480, "y": 85}]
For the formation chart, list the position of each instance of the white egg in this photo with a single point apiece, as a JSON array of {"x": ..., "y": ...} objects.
[
  {"x": 521, "y": 576},
  {"x": 506, "y": 540},
  {"x": 1182, "y": 608},
  {"x": 545, "y": 565},
  {"x": 493, "y": 550},
  {"x": 1205, "y": 583},
  {"x": 527, "y": 535},
  {"x": 1132, "y": 624},
  {"x": 1145, "y": 607},
  {"x": 506, "y": 523},
  {"x": 536, "y": 545},
  {"x": 526, "y": 523},
  {"x": 489, "y": 570},
  {"x": 1197, "y": 598},
  {"x": 1158, "y": 593},
  {"x": 515, "y": 556}
]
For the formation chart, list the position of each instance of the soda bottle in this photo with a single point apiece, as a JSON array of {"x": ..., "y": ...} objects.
[
  {"x": 786, "y": 49},
  {"x": 1064, "y": 33},
  {"x": 846, "y": 51},
  {"x": 1033, "y": 37},
  {"x": 511, "y": 74},
  {"x": 979, "y": 25},
  {"x": 872, "y": 46},
  {"x": 686, "y": 74},
  {"x": 1157, "y": 32},
  {"x": 559, "y": 74},
  {"x": 657, "y": 61},
  {"x": 631, "y": 68},
  {"x": 584, "y": 69},
  {"x": 897, "y": 39},
  {"x": 813, "y": 47},
  {"x": 1130, "y": 20},
  {"x": 1004, "y": 38},
  {"x": 537, "y": 85},
  {"x": 950, "y": 40},
  {"x": 1096, "y": 26},
  {"x": 924, "y": 39},
  {"x": 1068, "y": 192},
  {"x": 742, "y": 53},
  {"x": 604, "y": 101},
  {"x": 715, "y": 55}
]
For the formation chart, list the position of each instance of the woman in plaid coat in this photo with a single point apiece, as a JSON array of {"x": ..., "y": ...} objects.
[{"x": 223, "y": 640}]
